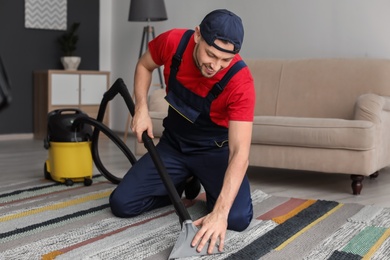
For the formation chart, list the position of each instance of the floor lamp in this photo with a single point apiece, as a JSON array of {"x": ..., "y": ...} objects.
[{"x": 146, "y": 11}]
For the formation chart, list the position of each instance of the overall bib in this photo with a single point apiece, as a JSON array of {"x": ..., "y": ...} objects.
[{"x": 191, "y": 145}]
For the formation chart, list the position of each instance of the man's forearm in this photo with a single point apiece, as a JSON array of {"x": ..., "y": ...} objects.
[
  {"x": 232, "y": 182},
  {"x": 239, "y": 146},
  {"x": 142, "y": 79}
]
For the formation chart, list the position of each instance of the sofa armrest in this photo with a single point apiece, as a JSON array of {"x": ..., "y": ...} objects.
[
  {"x": 158, "y": 110},
  {"x": 370, "y": 106},
  {"x": 157, "y": 102},
  {"x": 376, "y": 108}
]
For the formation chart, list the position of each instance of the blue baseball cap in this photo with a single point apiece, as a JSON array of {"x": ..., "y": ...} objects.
[{"x": 223, "y": 25}]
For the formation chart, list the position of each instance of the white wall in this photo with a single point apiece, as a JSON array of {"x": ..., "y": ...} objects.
[
  {"x": 273, "y": 29},
  {"x": 105, "y": 35}
]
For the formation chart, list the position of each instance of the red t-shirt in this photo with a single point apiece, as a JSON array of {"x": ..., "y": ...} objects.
[{"x": 237, "y": 100}]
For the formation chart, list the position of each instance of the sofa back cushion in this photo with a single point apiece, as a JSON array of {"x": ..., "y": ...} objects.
[
  {"x": 266, "y": 75},
  {"x": 322, "y": 88}
]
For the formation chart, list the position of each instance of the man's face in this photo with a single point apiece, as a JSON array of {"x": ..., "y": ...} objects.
[{"x": 208, "y": 59}]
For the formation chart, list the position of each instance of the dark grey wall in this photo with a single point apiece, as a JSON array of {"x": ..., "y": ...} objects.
[{"x": 25, "y": 50}]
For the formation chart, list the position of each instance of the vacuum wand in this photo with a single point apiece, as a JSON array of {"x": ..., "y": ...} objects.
[
  {"x": 174, "y": 196},
  {"x": 150, "y": 147}
]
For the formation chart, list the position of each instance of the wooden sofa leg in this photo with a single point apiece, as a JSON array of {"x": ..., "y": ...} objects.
[{"x": 357, "y": 183}]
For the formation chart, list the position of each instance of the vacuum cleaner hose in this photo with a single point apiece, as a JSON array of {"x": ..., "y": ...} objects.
[
  {"x": 94, "y": 146},
  {"x": 118, "y": 87}
]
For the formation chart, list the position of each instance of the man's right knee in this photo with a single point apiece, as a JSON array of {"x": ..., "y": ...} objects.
[{"x": 122, "y": 208}]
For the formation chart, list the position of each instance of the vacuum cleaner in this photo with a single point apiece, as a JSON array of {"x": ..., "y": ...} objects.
[
  {"x": 182, "y": 247},
  {"x": 69, "y": 151}
]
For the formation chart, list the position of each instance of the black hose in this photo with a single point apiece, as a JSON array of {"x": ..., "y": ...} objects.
[
  {"x": 118, "y": 87},
  {"x": 95, "y": 150}
]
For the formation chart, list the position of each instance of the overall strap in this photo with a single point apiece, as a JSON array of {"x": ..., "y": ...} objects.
[
  {"x": 176, "y": 59},
  {"x": 219, "y": 86}
]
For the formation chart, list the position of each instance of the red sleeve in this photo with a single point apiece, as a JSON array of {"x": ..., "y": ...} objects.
[
  {"x": 241, "y": 103},
  {"x": 163, "y": 47},
  {"x": 237, "y": 101}
]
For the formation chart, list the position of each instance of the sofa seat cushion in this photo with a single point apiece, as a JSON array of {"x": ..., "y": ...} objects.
[{"x": 314, "y": 132}]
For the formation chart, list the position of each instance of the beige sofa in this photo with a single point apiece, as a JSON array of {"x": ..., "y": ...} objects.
[{"x": 316, "y": 115}]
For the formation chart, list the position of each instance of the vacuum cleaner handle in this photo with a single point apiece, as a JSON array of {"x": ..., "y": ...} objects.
[
  {"x": 173, "y": 194},
  {"x": 119, "y": 86},
  {"x": 63, "y": 110}
]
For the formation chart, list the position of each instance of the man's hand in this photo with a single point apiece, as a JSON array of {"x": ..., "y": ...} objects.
[
  {"x": 213, "y": 229},
  {"x": 141, "y": 122}
]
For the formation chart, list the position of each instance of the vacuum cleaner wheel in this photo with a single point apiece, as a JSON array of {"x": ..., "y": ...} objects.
[
  {"x": 87, "y": 182},
  {"x": 69, "y": 182}
]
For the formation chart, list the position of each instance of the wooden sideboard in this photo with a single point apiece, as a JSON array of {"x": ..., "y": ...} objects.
[{"x": 58, "y": 89}]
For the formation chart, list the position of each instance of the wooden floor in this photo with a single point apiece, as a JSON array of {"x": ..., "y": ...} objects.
[{"x": 23, "y": 160}]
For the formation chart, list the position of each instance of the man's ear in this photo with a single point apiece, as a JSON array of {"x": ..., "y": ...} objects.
[{"x": 197, "y": 35}]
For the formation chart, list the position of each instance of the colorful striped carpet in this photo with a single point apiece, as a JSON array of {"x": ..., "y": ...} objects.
[{"x": 45, "y": 220}]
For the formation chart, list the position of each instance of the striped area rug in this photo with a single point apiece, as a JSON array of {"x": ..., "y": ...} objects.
[{"x": 45, "y": 220}]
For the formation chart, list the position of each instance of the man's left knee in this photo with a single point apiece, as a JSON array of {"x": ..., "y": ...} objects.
[{"x": 239, "y": 221}]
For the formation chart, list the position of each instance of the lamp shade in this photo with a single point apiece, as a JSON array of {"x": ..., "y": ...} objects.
[{"x": 147, "y": 10}]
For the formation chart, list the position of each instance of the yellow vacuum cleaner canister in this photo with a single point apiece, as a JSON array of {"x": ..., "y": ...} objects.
[
  {"x": 69, "y": 149},
  {"x": 70, "y": 162}
]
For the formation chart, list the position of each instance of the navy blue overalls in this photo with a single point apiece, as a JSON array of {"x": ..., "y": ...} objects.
[{"x": 191, "y": 145}]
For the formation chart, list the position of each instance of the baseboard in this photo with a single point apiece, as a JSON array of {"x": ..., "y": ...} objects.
[
  {"x": 11, "y": 137},
  {"x": 27, "y": 136}
]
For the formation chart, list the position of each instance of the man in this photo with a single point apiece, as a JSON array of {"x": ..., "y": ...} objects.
[{"x": 207, "y": 132}]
